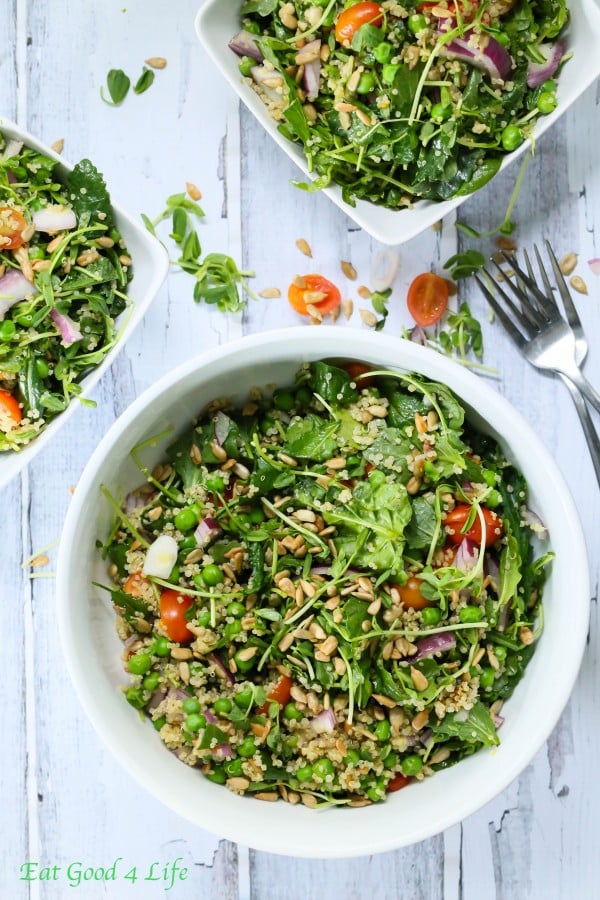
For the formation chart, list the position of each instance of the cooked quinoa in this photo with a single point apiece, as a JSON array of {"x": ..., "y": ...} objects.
[{"x": 328, "y": 593}]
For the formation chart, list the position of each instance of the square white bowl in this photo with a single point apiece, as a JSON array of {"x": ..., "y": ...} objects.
[
  {"x": 150, "y": 266},
  {"x": 217, "y": 22}
]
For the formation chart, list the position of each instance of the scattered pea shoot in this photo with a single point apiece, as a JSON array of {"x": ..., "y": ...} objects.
[
  {"x": 118, "y": 84},
  {"x": 145, "y": 81},
  {"x": 219, "y": 280}
]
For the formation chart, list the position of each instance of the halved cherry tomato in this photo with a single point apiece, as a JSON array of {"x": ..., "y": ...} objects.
[
  {"x": 10, "y": 411},
  {"x": 410, "y": 593},
  {"x": 350, "y": 20},
  {"x": 313, "y": 290},
  {"x": 173, "y": 606},
  {"x": 456, "y": 518},
  {"x": 12, "y": 224},
  {"x": 280, "y": 693},
  {"x": 358, "y": 370},
  {"x": 396, "y": 783},
  {"x": 427, "y": 298}
]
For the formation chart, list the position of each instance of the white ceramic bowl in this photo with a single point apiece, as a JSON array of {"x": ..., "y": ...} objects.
[
  {"x": 92, "y": 649},
  {"x": 217, "y": 22},
  {"x": 150, "y": 266}
]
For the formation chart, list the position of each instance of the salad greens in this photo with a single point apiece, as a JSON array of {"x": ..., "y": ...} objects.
[
  {"x": 330, "y": 592},
  {"x": 398, "y": 102},
  {"x": 63, "y": 275}
]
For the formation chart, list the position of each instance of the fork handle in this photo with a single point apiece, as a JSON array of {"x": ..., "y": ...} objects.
[
  {"x": 576, "y": 376},
  {"x": 587, "y": 425}
]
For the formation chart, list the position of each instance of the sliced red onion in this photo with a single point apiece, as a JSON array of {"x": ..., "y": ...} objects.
[
  {"x": 490, "y": 568},
  {"x": 262, "y": 75},
  {"x": 13, "y": 148},
  {"x": 418, "y": 336},
  {"x": 325, "y": 721},
  {"x": 11, "y": 177},
  {"x": 532, "y": 519},
  {"x": 54, "y": 218},
  {"x": 435, "y": 643},
  {"x": 207, "y": 530},
  {"x": 222, "y": 423},
  {"x": 210, "y": 718},
  {"x": 594, "y": 265},
  {"x": 466, "y": 555},
  {"x": 504, "y": 617},
  {"x": 244, "y": 44},
  {"x": 311, "y": 78},
  {"x": 68, "y": 328},
  {"x": 156, "y": 699},
  {"x": 538, "y": 73},
  {"x": 223, "y": 751},
  {"x": 13, "y": 287},
  {"x": 498, "y": 720},
  {"x": 493, "y": 59},
  {"x": 320, "y": 570},
  {"x": 218, "y": 663},
  {"x": 132, "y": 501},
  {"x": 425, "y": 736}
]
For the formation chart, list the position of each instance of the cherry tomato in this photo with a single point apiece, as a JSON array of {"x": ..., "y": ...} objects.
[
  {"x": 10, "y": 411},
  {"x": 313, "y": 290},
  {"x": 12, "y": 224},
  {"x": 351, "y": 19},
  {"x": 427, "y": 298},
  {"x": 397, "y": 783},
  {"x": 135, "y": 584},
  {"x": 173, "y": 606},
  {"x": 410, "y": 593},
  {"x": 457, "y": 517},
  {"x": 280, "y": 693},
  {"x": 358, "y": 370}
]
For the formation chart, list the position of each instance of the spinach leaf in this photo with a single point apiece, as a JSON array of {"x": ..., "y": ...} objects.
[
  {"x": 88, "y": 193},
  {"x": 477, "y": 727},
  {"x": 256, "y": 558},
  {"x": 265, "y": 476},
  {"x": 422, "y": 525},
  {"x": 334, "y": 385},
  {"x": 179, "y": 454},
  {"x": 354, "y": 612},
  {"x": 309, "y": 437}
]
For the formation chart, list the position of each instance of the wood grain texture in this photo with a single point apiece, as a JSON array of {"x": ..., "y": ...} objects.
[{"x": 64, "y": 797}]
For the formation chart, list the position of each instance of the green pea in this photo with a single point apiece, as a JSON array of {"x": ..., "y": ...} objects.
[
  {"x": 217, "y": 775},
  {"x": 187, "y": 518},
  {"x": 233, "y": 767},
  {"x": 389, "y": 72},
  {"x": 549, "y": 85},
  {"x": 244, "y": 698},
  {"x": 383, "y": 52},
  {"x": 160, "y": 647},
  {"x": 7, "y": 330},
  {"x": 232, "y": 629},
  {"x": 283, "y": 400},
  {"x": 493, "y": 499},
  {"x": 247, "y": 748},
  {"x": 500, "y": 652},
  {"x": 194, "y": 722},
  {"x": 364, "y": 754},
  {"x": 215, "y": 483},
  {"x": 158, "y": 723},
  {"x": 235, "y": 608},
  {"x": 323, "y": 768},
  {"x": 291, "y": 711},
  {"x": 303, "y": 396},
  {"x": 26, "y": 320},
  {"x": 383, "y": 730},
  {"x": 391, "y": 761},
  {"x": 212, "y": 575},
  {"x": 440, "y": 112},
  {"x": 256, "y": 516},
  {"x": 352, "y": 757},
  {"x": 191, "y": 705},
  {"x": 352, "y": 461},
  {"x": 244, "y": 665},
  {"x": 139, "y": 663},
  {"x": 487, "y": 677},
  {"x": 416, "y": 23},
  {"x": 150, "y": 682},
  {"x": 135, "y": 696},
  {"x": 36, "y": 253},
  {"x": 203, "y": 618},
  {"x": 304, "y": 773},
  {"x": 470, "y": 614},
  {"x": 377, "y": 477},
  {"x": 511, "y": 138},
  {"x": 489, "y": 476},
  {"x": 366, "y": 83},
  {"x": 174, "y": 576},
  {"x": 430, "y": 615},
  {"x": 547, "y": 102},
  {"x": 251, "y": 26},
  {"x": 188, "y": 543},
  {"x": 246, "y": 66},
  {"x": 222, "y": 706},
  {"x": 377, "y": 791},
  {"x": 411, "y": 765},
  {"x": 42, "y": 367}
]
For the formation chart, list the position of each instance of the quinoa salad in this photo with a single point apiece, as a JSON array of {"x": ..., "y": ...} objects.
[
  {"x": 396, "y": 102},
  {"x": 328, "y": 593},
  {"x": 63, "y": 275}
]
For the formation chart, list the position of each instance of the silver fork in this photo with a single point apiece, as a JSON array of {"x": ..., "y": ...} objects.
[{"x": 544, "y": 338}]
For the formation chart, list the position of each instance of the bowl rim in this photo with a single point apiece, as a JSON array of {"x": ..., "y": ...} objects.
[
  {"x": 389, "y": 227},
  {"x": 362, "y": 346},
  {"x": 158, "y": 267}
]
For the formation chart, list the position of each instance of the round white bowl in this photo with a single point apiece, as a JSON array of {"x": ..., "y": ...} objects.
[{"x": 92, "y": 649}]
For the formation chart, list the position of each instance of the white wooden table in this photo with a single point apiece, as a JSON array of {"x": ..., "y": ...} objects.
[{"x": 63, "y": 799}]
